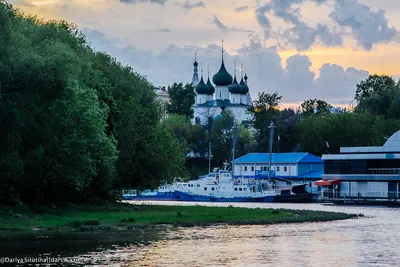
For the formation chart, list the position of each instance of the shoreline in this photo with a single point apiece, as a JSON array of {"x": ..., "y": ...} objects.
[{"x": 75, "y": 221}]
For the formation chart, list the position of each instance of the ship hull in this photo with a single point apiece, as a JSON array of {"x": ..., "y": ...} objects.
[
  {"x": 158, "y": 197},
  {"x": 201, "y": 198}
]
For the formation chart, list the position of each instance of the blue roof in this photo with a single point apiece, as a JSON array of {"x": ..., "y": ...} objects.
[{"x": 295, "y": 157}]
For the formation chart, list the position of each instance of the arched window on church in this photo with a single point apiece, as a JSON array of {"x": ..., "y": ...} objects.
[{"x": 197, "y": 120}]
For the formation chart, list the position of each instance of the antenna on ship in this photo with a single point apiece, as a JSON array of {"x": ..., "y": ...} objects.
[
  {"x": 271, "y": 137},
  {"x": 209, "y": 157},
  {"x": 234, "y": 148}
]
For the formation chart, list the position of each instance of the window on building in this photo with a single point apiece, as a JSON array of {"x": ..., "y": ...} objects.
[
  {"x": 244, "y": 189},
  {"x": 205, "y": 188},
  {"x": 285, "y": 169},
  {"x": 235, "y": 189},
  {"x": 198, "y": 185},
  {"x": 197, "y": 120},
  {"x": 245, "y": 168},
  {"x": 277, "y": 168},
  {"x": 240, "y": 189},
  {"x": 252, "y": 169},
  {"x": 212, "y": 188}
]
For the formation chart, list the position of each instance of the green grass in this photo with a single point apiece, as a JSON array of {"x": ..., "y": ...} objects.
[{"x": 93, "y": 217}]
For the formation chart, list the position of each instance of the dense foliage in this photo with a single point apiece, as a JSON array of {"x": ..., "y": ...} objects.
[
  {"x": 74, "y": 124},
  {"x": 182, "y": 99}
]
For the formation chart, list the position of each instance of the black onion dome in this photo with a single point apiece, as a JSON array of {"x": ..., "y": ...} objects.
[
  {"x": 211, "y": 88},
  {"x": 201, "y": 88},
  {"x": 222, "y": 77},
  {"x": 235, "y": 88},
  {"x": 245, "y": 88}
]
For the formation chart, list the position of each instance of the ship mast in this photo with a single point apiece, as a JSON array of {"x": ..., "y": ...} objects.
[
  {"x": 234, "y": 148},
  {"x": 209, "y": 157},
  {"x": 271, "y": 137}
]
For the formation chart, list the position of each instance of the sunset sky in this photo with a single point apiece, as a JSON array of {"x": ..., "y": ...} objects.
[{"x": 301, "y": 49}]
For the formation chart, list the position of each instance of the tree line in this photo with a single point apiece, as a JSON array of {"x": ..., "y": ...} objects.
[
  {"x": 308, "y": 128},
  {"x": 75, "y": 125}
]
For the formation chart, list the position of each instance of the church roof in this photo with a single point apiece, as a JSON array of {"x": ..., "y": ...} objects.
[
  {"x": 235, "y": 88},
  {"x": 202, "y": 88},
  {"x": 245, "y": 88},
  {"x": 211, "y": 88},
  {"x": 222, "y": 77}
]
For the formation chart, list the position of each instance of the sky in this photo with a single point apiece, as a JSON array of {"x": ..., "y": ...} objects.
[{"x": 301, "y": 49}]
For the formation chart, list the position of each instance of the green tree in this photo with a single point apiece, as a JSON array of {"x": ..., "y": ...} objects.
[
  {"x": 182, "y": 99},
  {"x": 314, "y": 106},
  {"x": 265, "y": 110},
  {"x": 380, "y": 85},
  {"x": 341, "y": 129},
  {"x": 75, "y": 125},
  {"x": 221, "y": 138}
]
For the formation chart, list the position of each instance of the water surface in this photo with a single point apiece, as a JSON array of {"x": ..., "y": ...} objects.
[{"x": 369, "y": 241}]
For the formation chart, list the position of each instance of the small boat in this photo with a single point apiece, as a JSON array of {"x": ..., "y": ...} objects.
[
  {"x": 165, "y": 192},
  {"x": 219, "y": 186}
]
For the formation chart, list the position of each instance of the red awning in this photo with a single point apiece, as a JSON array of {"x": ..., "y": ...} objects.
[{"x": 327, "y": 182}]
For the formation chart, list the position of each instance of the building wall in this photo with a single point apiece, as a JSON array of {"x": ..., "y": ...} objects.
[
  {"x": 235, "y": 98},
  {"x": 240, "y": 113},
  {"x": 310, "y": 167},
  {"x": 244, "y": 100},
  {"x": 281, "y": 169},
  {"x": 201, "y": 99},
  {"x": 364, "y": 188},
  {"x": 221, "y": 92},
  {"x": 204, "y": 112}
]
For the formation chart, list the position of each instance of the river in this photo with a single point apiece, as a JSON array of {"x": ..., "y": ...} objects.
[{"x": 372, "y": 240}]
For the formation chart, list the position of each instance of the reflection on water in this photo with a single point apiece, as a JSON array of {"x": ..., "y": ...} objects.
[{"x": 368, "y": 241}]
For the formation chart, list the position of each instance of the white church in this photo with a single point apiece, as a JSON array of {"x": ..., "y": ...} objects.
[{"x": 227, "y": 94}]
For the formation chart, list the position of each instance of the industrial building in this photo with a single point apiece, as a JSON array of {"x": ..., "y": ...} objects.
[
  {"x": 297, "y": 166},
  {"x": 363, "y": 173}
]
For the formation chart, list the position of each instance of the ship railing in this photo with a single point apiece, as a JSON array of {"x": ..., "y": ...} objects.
[
  {"x": 384, "y": 171},
  {"x": 361, "y": 195}
]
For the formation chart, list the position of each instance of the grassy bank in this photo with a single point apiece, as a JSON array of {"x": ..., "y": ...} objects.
[{"x": 125, "y": 217}]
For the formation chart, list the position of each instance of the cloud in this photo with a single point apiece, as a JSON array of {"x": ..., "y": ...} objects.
[
  {"x": 159, "y": 2},
  {"x": 367, "y": 27},
  {"x": 300, "y": 35},
  {"x": 293, "y": 79},
  {"x": 187, "y": 6},
  {"x": 219, "y": 24},
  {"x": 164, "y": 30},
  {"x": 223, "y": 28},
  {"x": 241, "y": 9},
  {"x": 337, "y": 83}
]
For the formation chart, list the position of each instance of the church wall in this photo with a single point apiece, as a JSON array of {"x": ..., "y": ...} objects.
[
  {"x": 240, "y": 113},
  {"x": 244, "y": 99},
  {"x": 201, "y": 99},
  {"x": 221, "y": 92},
  {"x": 235, "y": 98},
  {"x": 204, "y": 112}
]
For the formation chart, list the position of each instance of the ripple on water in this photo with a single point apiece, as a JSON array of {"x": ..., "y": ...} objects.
[{"x": 367, "y": 241}]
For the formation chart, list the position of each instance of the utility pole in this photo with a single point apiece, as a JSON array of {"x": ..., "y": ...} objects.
[
  {"x": 234, "y": 148},
  {"x": 271, "y": 140}
]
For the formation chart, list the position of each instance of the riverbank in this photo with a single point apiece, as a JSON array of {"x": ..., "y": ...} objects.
[{"x": 126, "y": 217}]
